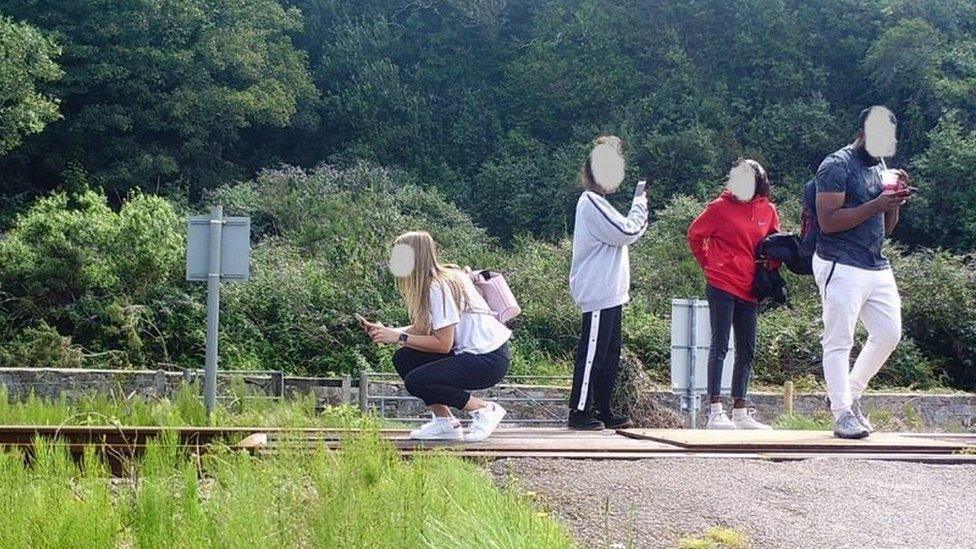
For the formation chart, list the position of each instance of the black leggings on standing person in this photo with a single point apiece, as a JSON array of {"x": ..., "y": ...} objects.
[
  {"x": 446, "y": 379},
  {"x": 726, "y": 312},
  {"x": 597, "y": 361}
]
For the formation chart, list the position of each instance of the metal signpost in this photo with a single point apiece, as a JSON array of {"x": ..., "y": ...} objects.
[
  {"x": 691, "y": 337},
  {"x": 217, "y": 248}
]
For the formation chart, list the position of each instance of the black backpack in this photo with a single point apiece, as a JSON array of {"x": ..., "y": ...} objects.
[{"x": 810, "y": 228}]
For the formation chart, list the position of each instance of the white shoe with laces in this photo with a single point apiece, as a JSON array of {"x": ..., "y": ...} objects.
[
  {"x": 718, "y": 420},
  {"x": 745, "y": 418},
  {"x": 484, "y": 421},
  {"x": 440, "y": 428}
]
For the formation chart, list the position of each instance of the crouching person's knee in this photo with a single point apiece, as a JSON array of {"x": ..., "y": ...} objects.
[
  {"x": 401, "y": 360},
  {"x": 415, "y": 386}
]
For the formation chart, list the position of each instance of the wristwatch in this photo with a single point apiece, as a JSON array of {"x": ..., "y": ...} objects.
[{"x": 403, "y": 339}]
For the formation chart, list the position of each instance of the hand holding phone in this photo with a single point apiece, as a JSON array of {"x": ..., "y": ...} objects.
[
  {"x": 641, "y": 189},
  {"x": 363, "y": 323}
]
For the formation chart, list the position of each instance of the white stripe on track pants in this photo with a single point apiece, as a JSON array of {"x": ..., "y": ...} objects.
[{"x": 848, "y": 294}]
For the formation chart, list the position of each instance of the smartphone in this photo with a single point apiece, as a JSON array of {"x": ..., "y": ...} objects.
[{"x": 641, "y": 188}]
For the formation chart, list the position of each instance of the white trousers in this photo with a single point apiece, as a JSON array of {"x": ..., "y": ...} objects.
[{"x": 849, "y": 294}]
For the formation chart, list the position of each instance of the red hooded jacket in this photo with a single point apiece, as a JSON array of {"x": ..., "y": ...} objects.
[{"x": 724, "y": 240}]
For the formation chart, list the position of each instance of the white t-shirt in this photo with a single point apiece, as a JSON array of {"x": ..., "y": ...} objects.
[{"x": 476, "y": 330}]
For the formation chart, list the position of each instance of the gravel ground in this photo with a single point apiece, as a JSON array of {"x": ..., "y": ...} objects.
[{"x": 814, "y": 503}]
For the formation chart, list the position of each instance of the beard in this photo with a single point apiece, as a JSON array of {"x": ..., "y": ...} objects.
[{"x": 862, "y": 153}]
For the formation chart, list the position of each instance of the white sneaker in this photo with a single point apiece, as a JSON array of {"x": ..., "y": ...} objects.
[
  {"x": 745, "y": 418},
  {"x": 484, "y": 421},
  {"x": 440, "y": 428},
  {"x": 718, "y": 420}
]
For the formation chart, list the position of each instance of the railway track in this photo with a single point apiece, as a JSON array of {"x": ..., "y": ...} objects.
[{"x": 120, "y": 444}]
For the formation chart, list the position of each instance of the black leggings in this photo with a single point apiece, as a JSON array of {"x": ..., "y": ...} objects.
[
  {"x": 729, "y": 312},
  {"x": 446, "y": 379}
]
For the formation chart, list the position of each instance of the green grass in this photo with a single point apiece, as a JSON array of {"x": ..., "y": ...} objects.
[
  {"x": 717, "y": 537},
  {"x": 185, "y": 408},
  {"x": 364, "y": 496},
  {"x": 820, "y": 421}
]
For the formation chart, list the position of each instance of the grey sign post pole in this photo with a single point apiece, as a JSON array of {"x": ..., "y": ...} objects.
[
  {"x": 217, "y": 250},
  {"x": 213, "y": 309}
]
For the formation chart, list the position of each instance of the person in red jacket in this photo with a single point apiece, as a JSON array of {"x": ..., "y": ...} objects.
[{"x": 723, "y": 240}]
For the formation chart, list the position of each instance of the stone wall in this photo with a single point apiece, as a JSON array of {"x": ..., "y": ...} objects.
[
  {"x": 527, "y": 404},
  {"x": 547, "y": 406}
]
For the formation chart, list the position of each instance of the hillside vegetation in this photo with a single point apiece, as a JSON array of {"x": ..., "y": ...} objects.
[
  {"x": 337, "y": 125},
  {"x": 88, "y": 286}
]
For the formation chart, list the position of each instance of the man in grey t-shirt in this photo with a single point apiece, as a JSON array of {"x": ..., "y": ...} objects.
[{"x": 854, "y": 277}]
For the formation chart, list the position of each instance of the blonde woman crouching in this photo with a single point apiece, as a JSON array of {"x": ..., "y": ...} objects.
[{"x": 454, "y": 344}]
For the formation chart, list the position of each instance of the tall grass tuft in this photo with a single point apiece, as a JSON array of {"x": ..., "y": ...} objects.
[
  {"x": 184, "y": 408},
  {"x": 362, "y": 496}
]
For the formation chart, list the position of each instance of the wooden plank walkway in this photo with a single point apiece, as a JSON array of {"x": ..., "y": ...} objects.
[
  {"x": 647, "y": 444},
  {"x": 782, "y": 440}
]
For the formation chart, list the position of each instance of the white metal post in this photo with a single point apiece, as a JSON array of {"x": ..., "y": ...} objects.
[{"x": 213, "y": 310}]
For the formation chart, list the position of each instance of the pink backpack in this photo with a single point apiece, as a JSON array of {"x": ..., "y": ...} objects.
[{"x": 493, "y": 287}]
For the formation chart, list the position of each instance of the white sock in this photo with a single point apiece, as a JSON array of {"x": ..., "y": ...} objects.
[
  {"x": 740, "y": 413},
  {"x": 716, "y": 408}
]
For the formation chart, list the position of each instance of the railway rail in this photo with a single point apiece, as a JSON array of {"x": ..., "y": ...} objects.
[{"x": 119, "y": 444}]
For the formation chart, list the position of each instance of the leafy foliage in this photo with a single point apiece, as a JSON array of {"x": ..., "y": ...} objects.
[
  {"x": 26, "y": 60},
  {"x": 480, "y": 112},
  {"x": 76, "y": 275},
  {"x": 79, "y": 292},
  {"x": 156, "y": 92},
  {"x": 493, "y": 102}
]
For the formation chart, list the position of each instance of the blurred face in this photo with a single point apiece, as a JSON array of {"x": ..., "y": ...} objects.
[
  {"x": 402, "y": 260},
  {"x": 742, "y": 182},
  {"x": 879, "y": 133},
  {"x": 607, "y": 165}
]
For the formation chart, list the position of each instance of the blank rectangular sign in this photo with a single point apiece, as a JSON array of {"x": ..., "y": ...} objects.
[
  {"x": 235, "y": 248},
  {"x": 682, "y": 311}
]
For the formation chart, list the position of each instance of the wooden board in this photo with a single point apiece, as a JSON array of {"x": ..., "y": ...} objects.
[
  {"x": 781, "y": 440},
  {"x": 516, "y": 440}
]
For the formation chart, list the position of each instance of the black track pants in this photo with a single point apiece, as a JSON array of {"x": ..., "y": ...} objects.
[{"x": 597, "y": 361}]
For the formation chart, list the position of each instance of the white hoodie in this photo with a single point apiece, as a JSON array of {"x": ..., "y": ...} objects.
[{"x": 600, "y": 275}]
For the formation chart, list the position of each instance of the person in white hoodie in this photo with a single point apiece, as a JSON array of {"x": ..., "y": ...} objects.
[{"x": 600, "y": 283}]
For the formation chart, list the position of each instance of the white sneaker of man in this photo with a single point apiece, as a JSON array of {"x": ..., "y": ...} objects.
[
  {"x": 439, "y": 428},
  {"x": 484, "y": 421},
  {"x": 745, "y": 418},
  {"x": 717, "y": 419}
]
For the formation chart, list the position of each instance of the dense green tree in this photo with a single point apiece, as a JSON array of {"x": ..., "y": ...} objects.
[
  {"x": 944, "y": 213},
  {"x": 493, "y": 102},
  {"x": 26, "y": 60},
  {"x": 162, "y": 91}
]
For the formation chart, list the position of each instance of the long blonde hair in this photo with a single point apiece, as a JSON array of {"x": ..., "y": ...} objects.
[{"x": 427, "y": 271}]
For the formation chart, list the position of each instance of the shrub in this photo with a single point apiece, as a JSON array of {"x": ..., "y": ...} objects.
[
  {"x": 325, "y": 239},
  {"x": 78, "y": 280},
  {"x": 85, "y": 285},
  {"x": 939, "y": 310}
]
